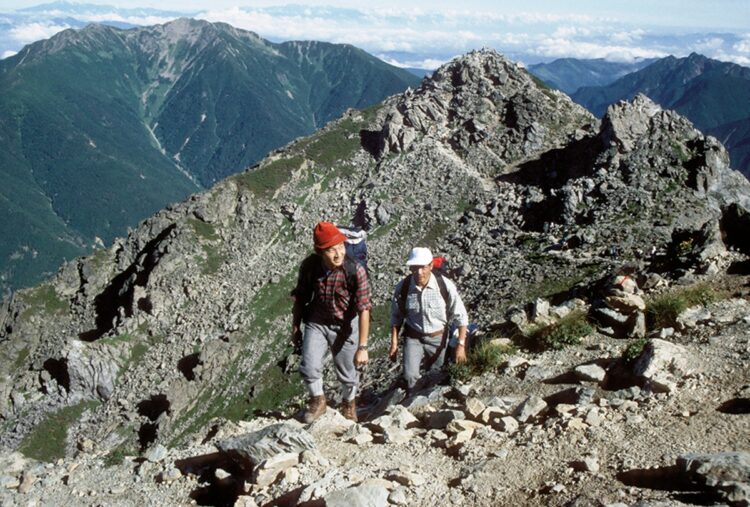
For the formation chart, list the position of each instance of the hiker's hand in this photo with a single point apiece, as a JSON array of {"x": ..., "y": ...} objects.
[
  {"x": 361, "y": 357},
  {"x": 297, "y": 339},
  {"x": 393, "y": 352},
  {"x": 460, "y": 354}
]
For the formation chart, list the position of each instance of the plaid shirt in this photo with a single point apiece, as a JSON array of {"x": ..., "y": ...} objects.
[{"x": 332, "y": 296}]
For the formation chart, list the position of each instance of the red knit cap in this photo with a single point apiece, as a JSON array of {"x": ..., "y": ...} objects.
[{"x": 325, "y": 235}]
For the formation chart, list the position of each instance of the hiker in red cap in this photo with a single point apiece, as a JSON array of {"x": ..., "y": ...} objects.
[{"x": 332, "y": 298}]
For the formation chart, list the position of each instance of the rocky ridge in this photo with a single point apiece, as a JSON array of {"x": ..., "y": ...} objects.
[{"x": 168, "y": 342}]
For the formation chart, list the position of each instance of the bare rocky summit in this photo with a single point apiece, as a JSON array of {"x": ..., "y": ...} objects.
[{"x": 158, "y": 371}]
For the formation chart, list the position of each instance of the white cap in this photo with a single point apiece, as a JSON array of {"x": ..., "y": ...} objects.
[{"x": 419, "y": 256}]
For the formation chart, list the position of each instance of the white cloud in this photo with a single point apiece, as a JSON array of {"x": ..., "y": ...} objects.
[
  {"x": 427, "y": 63},
  {"x": 739, "y": 59},
  {"x": 133, "y": 20},
  {"x": 372, "y": 34},
  {"x": 559, "y": 48},
  {"x": 742, "y": 46},
  {"x": 570, "y": 31},
  {"x": 435, "y": 33},
  {"x": 8, "y": 54},
  {"x": 32, "y": 32},
  {"x": 627, "y": 37},
  {"x": 707, "y": 45}
]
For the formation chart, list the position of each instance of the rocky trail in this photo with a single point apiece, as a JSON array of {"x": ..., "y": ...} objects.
[{"x": 585, "y": 425}]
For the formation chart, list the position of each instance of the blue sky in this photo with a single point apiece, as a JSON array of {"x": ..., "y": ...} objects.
[{"x": 424, "y": 34}]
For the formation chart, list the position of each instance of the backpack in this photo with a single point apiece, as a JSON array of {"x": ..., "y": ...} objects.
[{"x": 356, "y": 244}]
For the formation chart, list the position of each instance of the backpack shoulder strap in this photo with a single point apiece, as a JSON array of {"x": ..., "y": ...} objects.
[
  {"x": 350, "y": 268},
  {"x": 402, "y": 295},
  {"x": 308, "y": 269},
  {"x": 443, "y": 288}
]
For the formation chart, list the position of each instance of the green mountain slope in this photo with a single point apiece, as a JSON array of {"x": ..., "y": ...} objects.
[
  {"x": 101, "y": 127},
  {"x": 570, "y": 74},
  {"x": 714, "y": 95}
]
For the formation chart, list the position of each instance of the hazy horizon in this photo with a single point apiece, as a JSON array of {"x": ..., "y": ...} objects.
[{"x": 424, "y": 37}]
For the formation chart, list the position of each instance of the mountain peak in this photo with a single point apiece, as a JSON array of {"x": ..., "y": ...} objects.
[{"x": 481, "y": 102}]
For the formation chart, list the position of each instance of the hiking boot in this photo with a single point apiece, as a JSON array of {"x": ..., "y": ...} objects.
[
  {"x": 316, "y": 406},
  {"x": 349, "y": 410}
]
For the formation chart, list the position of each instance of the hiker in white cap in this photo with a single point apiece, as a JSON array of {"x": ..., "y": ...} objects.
[{"x": 426, "y": 304}]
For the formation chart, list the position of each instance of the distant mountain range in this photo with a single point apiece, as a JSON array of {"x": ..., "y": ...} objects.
[
  {"x": 570, "y": 74},
  {"x": 714, "y": 95},
  {"x": 101, "y": 127}
]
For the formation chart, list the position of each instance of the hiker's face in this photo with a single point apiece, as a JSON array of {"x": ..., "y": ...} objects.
[
  {"x": 422, "y": 274},
  {"x": 333, "y": 256}
]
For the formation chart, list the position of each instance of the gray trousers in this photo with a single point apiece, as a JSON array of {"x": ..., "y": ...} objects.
[
  {"x": 317, "y": 341},
  {"x": 416, "y": 350}
]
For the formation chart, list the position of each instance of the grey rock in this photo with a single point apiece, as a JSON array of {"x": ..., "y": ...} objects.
[
  {"x": 395, "y": 435},
  {"x": 439, "y": 420},
  {"x": 572, "y": 396},
  {"x": 358, "y": 434},
  {"x": 540, "y": 309},
  {"x": 399, "y": 496},
  {"x": 532, "y": 408},
  {"x": 221, "y": 474},
  {"x": 402, "y": 418},
  {"x": 727, "y": 473},
  {"x": 590, "y": 372},
  {"x": 272, "y": 468},
  {"x": 93, "y": 368},
  {"x": 406, "y": 477},
  {"x": 364, "y": 495},
  {"x": 9, "y": 481},
  {"x": 474, "y": 407},
  {"x": 507, "y": 424},
  {"x": 268, "y": 442},
  {"x": 694, "y": 316},
  {"x": 587, "y": 464},
  {"x": 540, "y": 372},
  {"x": 156, "y": 453},
  {"x": 662, "y": 364},
  {"x": 171, "y": 474}
]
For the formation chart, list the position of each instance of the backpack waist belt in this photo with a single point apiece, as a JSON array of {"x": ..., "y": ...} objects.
[{"x": 413, "y": 333}]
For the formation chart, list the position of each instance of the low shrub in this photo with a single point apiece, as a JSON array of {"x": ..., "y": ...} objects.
[
  {"x": 486, "y": 356},
  {"x": 567, "y": 331},
  {"x": 634, "y": 350},
  {"x": 663, "y": 309}
]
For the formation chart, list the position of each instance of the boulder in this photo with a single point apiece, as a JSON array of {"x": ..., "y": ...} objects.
[
  {"x": 92, "y": 369},
  {"x": 727, "y": 473},
  {"x": 663, "y": 364},
  {"x": 261, "y": 445}
]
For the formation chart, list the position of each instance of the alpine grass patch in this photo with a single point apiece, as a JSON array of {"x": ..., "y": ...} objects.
[
  {"x": 662, "y": 310},
  {"x": 486, "y": 356},
  {"x": 47, "y": 440},
  {"x": 567, "y": 331}
]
